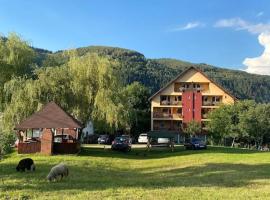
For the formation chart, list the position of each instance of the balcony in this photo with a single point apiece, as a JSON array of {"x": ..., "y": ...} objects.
[
  {"x": 210, "y": 103},
  {"x": 171, "y": 103},
  {"x": 167, "y": 125},
  {"x": 167, "y": 115},
  {"x": 162, "y": 115},
  {"x": 204, "y": 116},
  {"x": 177, "y": 115},
  {"x": 181, "y": 87},
  {"x": 205, "y": 112}
]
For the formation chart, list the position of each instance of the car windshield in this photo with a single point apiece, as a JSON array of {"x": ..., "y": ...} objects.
[
  {"x": 103, "y": 136},
  {"x": 120, "y": 139}
]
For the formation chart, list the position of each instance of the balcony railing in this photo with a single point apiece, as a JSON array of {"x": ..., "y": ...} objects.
[
  {"x": 166, "y": 115},
  {"x": 176, "y": 115},
  {"x": 165, "y": 102},
  {"x": 210, "y": 103},
  {"x": 157, "y": 128},
  {"x": 162, "y": 115}
]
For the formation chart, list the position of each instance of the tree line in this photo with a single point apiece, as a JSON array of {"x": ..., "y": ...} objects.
[
  {"x": 88, "y": 86},
  {"x": 246, "y": 123},
  {"x": 109, "y": 86}
]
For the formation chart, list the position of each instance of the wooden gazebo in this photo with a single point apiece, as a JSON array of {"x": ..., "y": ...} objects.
[{"x": 49, "y": 131}]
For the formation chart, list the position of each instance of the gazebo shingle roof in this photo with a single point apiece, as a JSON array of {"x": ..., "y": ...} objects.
[{"x": 50, "y": 116}]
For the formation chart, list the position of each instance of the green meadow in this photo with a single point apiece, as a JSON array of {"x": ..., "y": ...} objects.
[{"x": 98, "y": 173}]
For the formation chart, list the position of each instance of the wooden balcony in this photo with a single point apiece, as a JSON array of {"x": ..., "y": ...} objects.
[
  {"x": 210, "y": 103},
  {"x": 171, "y": 103},
  {"x": 167, "y": 115}
]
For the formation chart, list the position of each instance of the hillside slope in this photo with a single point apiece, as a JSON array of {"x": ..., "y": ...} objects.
[{"x": 155, "y": 73}]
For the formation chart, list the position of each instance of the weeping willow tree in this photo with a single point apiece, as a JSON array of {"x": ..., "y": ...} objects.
[
  {"x": 88, "y": 87},
  {"x": 16, "y": 60}
]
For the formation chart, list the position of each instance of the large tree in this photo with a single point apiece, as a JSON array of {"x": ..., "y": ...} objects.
[
  {"x": 16, "y": 57},
  {"x": 86, "y": 86},
  {"x": 256, "y": 123},
  {"x": 16, "y": 60},
  {"x": 135, "y": 98},
  {"x": 193, "y": 128}
]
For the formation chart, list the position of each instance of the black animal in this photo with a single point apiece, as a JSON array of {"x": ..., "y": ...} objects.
[{"x": 26, "y": 163}]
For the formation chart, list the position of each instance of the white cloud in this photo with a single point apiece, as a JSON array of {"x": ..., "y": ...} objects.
[
  {"x": 188, "y": 26},
  {"x": 261, "y": 64},
  {"x": 256, "y": 65},
  {"x": 240, "y": 24}
]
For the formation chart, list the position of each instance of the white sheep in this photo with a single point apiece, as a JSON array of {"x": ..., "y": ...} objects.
[{"x": 58, "y": 170}]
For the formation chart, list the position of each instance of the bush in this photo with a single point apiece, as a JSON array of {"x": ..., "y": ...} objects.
[{"x": 6, "y": 142}]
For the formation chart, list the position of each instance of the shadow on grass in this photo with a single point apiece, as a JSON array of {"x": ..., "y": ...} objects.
[
  {"x": 89, "y": 178},
  {"x": 88, "y": 174}
]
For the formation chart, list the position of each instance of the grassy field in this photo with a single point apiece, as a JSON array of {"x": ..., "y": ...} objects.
[{"x": 216, "y": 173}]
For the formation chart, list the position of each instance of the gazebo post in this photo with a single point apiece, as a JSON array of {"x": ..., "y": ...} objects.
[{"x": 62, "y": 134}]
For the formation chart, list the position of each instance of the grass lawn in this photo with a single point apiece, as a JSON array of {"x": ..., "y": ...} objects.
[{"x": 215, "y": 173}]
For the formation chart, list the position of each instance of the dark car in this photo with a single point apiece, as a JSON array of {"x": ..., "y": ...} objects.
[
  {"x": 104, "y": 139},
  {"x": 195, "y": 143},
  {"x": 121, "y": 143}
]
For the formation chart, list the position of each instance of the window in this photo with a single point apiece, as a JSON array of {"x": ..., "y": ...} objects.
[{"x": 179, "y": 98}]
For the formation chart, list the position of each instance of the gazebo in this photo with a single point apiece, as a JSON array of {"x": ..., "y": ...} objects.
[{"x": 49, "y": 131}]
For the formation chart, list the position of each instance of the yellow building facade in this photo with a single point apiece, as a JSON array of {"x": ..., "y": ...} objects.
[{"x": 190, "y": 96}]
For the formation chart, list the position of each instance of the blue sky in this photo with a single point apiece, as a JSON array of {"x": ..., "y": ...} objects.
[{"x": 218, "y": 32}]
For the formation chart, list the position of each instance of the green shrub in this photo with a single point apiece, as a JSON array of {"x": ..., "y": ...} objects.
[{"x": 6, "y": 142}]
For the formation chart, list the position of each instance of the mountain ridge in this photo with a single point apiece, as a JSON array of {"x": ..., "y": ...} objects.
[{"x": 155, "y": 73}]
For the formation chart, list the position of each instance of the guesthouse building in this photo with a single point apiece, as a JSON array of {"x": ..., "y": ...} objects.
[{"x": 190, "y": 96}]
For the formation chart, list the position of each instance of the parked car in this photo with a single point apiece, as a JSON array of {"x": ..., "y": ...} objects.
[
  {"x": 128, "y": 138},
  {"x": 163, "y": 140},
  {"x": 195, "y": 143},
  {"x": 143, "y": 138},
  {"x": 104, "y": 139},
  {"x": 121, "y": 143}
]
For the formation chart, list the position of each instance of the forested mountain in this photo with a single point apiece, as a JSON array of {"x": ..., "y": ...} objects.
[{"x": 155, "y": 73}]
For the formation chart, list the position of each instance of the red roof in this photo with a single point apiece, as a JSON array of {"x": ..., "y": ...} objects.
[{"x": 50, "y": 116}]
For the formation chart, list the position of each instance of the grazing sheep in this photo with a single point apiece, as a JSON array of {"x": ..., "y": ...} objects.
[
  {"x": 58, "y": 170},
  {"x": 26, "y": 163}
]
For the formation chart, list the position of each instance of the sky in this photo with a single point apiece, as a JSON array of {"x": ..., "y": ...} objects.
[{"x": 225, "y": 33}]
